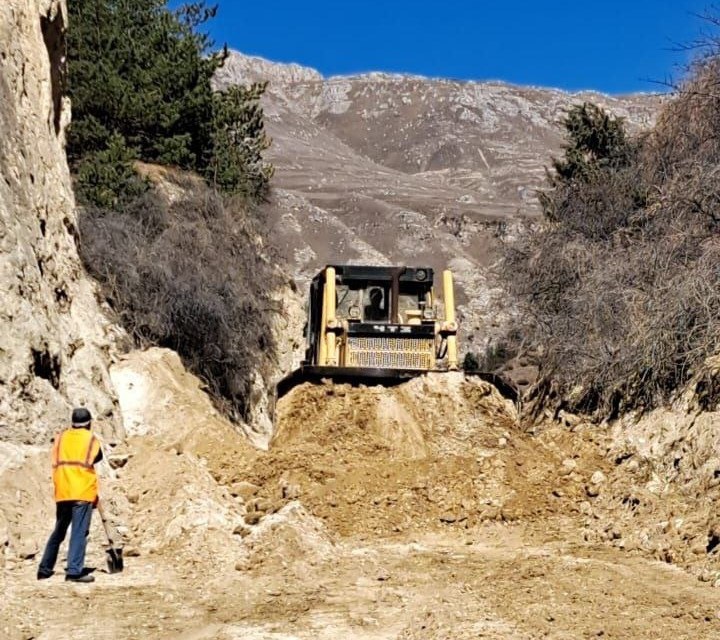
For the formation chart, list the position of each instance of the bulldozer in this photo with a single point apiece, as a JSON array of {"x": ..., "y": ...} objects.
[{"x": 379, "y": 325}]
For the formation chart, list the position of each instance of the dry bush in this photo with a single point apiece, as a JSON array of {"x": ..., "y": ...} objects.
[
  {"x": 189, "y": 276},
  {"x": 620, "y": 285}
]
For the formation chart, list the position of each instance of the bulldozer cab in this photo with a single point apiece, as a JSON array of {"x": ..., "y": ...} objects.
[
  {"x": 354, "y": 310},
  {"x": 373, "y": 301}
]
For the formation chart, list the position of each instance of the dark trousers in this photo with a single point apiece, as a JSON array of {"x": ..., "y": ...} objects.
[{"x": 77, "y": 513}]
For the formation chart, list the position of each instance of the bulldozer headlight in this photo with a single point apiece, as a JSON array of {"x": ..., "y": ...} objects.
[
  {"x": 428, "y": 314},
  {"x": 354, "y": 312},
  {"x": 420, "y": 275}
]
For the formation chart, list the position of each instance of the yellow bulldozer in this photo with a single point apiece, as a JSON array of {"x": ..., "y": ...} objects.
[{"x": 379, "y": 325}]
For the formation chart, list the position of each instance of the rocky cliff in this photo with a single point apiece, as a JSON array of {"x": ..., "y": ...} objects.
[{"x": 55, "y": 342}]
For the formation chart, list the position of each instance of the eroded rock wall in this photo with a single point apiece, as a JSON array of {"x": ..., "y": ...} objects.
[{"x": 55, "y": 342}]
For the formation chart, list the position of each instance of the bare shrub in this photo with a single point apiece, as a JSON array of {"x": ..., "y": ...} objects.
[
  {"x": 190, "y": 276},
  {"x": 620, "y": 285}
]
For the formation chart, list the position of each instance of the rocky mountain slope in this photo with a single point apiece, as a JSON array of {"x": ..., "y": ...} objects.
[{"x": 385, "y": 168}]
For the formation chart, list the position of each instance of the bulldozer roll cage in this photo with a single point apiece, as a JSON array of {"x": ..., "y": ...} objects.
[{"x": 381, "y": 324}]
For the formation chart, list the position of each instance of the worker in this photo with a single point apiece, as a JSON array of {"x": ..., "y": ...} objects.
[
  {"x": 373, "y": 311},
  {"x": 75, "y": 452}
]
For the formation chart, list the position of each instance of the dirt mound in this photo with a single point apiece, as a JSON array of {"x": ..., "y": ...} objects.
[
  {"x": 289, "y": 538},
  {"x": 440, "y": 451},
  {"x": 180, "y": 502}
]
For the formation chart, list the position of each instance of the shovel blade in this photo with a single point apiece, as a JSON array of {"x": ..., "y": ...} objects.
[{"x": 115, "y": 562}]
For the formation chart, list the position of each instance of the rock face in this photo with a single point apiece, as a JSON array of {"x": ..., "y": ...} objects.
[
  {"x": 381, "y": 168},
  {"x": 667, "y": 471},
  {"x": 54, "y": 340}
]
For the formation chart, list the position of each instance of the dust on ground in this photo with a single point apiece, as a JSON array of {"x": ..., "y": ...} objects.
[{"x": 419, "y": 511}]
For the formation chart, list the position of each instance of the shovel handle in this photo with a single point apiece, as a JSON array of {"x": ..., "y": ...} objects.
[{"x": 113, "y": 537}]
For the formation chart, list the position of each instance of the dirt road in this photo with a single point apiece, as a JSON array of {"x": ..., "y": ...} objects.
[{"x": 491, "y": 582}]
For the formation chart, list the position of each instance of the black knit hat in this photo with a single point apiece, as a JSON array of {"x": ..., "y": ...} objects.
[{"x": 81, "y": 417}]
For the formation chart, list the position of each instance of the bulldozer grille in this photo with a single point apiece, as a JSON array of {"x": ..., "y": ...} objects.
[{"x": 391, "y": 353}]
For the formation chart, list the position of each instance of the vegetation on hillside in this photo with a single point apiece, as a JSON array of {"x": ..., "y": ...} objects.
[
  {"x": 139, "y": 76},
  {"x": 185, "y": 271},
  {"x": 620, "y": 284},
  {"x": 189, "y": 275}
]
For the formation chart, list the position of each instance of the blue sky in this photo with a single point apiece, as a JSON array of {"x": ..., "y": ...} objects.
[{"x": 614, "y": 46}]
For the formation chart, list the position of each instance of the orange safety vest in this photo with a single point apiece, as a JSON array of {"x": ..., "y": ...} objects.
[{"x": 74, "y": 476}]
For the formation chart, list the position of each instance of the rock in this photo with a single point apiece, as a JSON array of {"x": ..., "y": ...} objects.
[
  {"x": 290, "y": 491},
  {"x": 263, "y": 505},
  {"x": 273, "y": 506},
  {"x": 698, "y": 547},
  {"x": 631, "y": 545},
  {"x": 55, "y": 341},
  {"x": 597, "y": 478},
  {"x": 26, "y": 549},
  {"x": 632, "y": 466},
  {"x": 118, "y": 461},
  {"x": 568, "y": 466},
  {"x": 450, "y": 517},
  {"x": 592, "y": 490},
  {"x": 569, "y": 419},
  {"x": 241, "y": 530},
  {"x": 253, "y": 517},
  {"x": 245, "y": 490}
]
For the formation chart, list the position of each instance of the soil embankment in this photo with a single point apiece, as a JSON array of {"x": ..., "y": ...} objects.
[{"x": 419, "y": 511}]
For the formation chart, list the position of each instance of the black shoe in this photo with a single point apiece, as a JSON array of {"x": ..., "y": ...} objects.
[
  {"x": 44, "y": 575},
  {"x": 81, "y": 578}
]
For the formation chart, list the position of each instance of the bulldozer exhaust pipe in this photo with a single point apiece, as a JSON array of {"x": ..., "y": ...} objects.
[{"x": 450, "y": 321}]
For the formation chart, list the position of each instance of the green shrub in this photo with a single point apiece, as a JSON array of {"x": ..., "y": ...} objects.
[
  {"x": 107, "y": 177},
  {"x": 238, "y": 140}
]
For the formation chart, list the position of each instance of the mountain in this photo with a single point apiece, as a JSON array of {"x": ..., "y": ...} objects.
[{"x": 386, "y": 168}]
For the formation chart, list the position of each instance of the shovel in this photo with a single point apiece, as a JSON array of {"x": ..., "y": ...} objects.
[{"x": 114, "y": 548}]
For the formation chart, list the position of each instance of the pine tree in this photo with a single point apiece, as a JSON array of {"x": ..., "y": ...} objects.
[
  {"x": 595, "y": 141},
  {"x": 238, "y": 140},
  {"x": 140, "y": 79}
]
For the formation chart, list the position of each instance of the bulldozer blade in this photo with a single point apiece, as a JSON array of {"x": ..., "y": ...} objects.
[
  {"x": 386, "y": 377},
  {"x": 345, "y": 375},
  {"x": 115, "y": 562}
]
